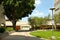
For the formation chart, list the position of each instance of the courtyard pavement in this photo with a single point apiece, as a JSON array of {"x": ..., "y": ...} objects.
[{"x": 21, "y": 35}]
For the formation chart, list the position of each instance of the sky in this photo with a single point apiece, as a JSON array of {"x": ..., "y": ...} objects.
[{"x": 41, "y": 8}]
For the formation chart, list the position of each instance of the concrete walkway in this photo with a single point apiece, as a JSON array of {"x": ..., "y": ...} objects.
[{"x": 21, "y": 36}]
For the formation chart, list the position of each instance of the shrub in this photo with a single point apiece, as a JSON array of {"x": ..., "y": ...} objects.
[{"x": 2, "y": 30}]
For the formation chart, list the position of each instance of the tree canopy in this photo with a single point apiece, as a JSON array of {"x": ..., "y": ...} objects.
[
  {"x": 57, "y": 18},
  {"x": 1, "y": 1},
  {"x": 36, "y": 22},
  {"x": 17, "y": 9}
]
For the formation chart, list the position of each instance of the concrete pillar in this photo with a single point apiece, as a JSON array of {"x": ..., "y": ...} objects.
[{"x": 2, "y": 17}]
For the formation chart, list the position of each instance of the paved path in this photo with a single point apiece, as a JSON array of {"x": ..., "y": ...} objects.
[{"x": 20, "y": 36}]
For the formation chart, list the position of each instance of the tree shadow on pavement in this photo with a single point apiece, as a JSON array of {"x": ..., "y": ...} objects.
[
  {"x": 23, "y": 31},
  {"x": 20, "y": 37}
]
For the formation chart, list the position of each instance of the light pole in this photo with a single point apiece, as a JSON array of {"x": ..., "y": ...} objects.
[{"x": 53, "y": 37}]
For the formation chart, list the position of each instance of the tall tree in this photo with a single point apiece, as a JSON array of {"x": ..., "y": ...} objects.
[
  {"x": 16, "y": 9},
  {"x": 57, "y": 19},
  {"x": 36, "y": 22},
  {"x": 48, "y": 17},
  {"x": 31, "y": 22}
]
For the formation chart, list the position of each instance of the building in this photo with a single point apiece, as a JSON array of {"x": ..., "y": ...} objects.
[
  {"x": 2, "y": 18},
  {"x": 48, "y": 25},
  {"x": 57, "y": 6},
  {"x": 57, "y": 10},
  {"x": 23, "y": 25}
]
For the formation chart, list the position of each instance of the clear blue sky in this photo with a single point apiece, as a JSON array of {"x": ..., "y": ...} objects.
[{"x": 42, "y": 8}]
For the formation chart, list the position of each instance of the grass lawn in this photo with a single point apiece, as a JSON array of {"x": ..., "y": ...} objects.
[
  {"x": 46, "y": 34},
  {"x": 9, "y": 29}
]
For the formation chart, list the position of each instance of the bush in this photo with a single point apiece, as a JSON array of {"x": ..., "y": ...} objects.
[{"x": 2, "y": 30}]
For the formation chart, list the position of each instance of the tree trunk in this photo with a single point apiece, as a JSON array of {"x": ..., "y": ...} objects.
[
  {"x": 32, "y": 27},
  {"x": 55, "y": 26},
  {"x": 14, "y": 24}
]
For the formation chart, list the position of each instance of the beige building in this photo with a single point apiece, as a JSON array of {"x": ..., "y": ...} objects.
[
  {"x": 23, "y": 25},
  {"x": 57, "y": 6}
]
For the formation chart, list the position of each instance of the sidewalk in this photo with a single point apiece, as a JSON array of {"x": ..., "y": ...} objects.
[{"x": 21, "y": 36}]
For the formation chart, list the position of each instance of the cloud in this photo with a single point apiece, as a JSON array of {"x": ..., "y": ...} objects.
[
  {"x": 25, "y": 19},
  {"x": 37, "y": 13},
  {"x": 37, "y": 2},
  {"x": 49, "y": 11}
]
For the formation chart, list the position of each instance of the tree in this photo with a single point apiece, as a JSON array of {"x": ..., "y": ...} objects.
[
  {"x": 31, "y": 22},
  {"x": 57, "y": 19},
  {"x": 36, "y": 22},
  {"x": 1, "y": 1},
  {"x": 17, "y": 9},
  {"x": 48, "y": 17}
]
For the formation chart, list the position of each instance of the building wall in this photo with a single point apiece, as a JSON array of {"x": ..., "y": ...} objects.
[
  {"x": 2, "y": 19},
  {"x": 57, "y": 6},
  {"x": 19, "y": 23}
]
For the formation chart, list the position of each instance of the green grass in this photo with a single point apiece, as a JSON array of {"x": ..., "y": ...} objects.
[
  {"x": 9, "y": 29},
  {"x": 46, "y": 34}
]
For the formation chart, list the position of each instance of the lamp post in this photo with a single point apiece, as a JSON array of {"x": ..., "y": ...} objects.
[{"x": 53, "y": 37}]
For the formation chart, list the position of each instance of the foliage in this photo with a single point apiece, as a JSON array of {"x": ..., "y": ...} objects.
[
  {"x": 57, "y": 18},
  {"x": 48, "y": 17},
  {"x": 2, "y": 30},
  {"x": 1, "y": 1},
  {"x": 36, "y": 21},
  {"x": 17, "y": 9},
  {"x": 46, "y": 34}
]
